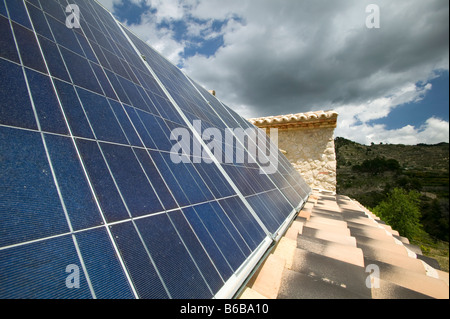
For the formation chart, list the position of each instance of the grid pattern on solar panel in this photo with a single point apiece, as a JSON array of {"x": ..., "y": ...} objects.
[
  {"x": 285, "y": 168},
  {"x": 87, "y": 178},
  {"x": 192, "y": 99},
  {"x": 281, "y": 183}
]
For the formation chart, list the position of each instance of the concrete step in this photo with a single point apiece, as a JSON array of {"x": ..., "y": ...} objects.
[
  {"x": 389, "y": 229},
  {"x": 250, "y": 294},
  {"x": 294, "y": 230},
  {"x": 375, "y": 217},
  {"x": 383, "y": 246},
  {"x": 402, "y": 239},
  {"x": 331, "y": 270},
  {"x": 328, "y": 221},
  {"x": 362, "y": 222},
  {"x": 330, "y": 236},
  {"x": 358, "y": 218},
  {"x": 390, "y": 290},
  {"x": 313, "y": 198},
  {"x": 308, "y": 206},
  {"x": 327, "y": 200},
  {"x": 444, "y": 276},
  {"x": 353, "y": 214},
  {"x": 328, "y": 207},
  {"x": 344, "y": 231},
  {"x": 296, "y": 285},
  {"x": 304, "y": 215},
  {"x": 331, "y": 204},
  {"x": 374, "y": 241},
  {"x": 412, "y": 280},
  {"x": 385, "y": 256},
  {"x": 364, "y": 228},
  {"x": 333, "y": 250},
  {"x": 414, "y": 248},
  {"x": 371, "y": 232},
  {"x": 349, "y": 206},
  {"x": 285, "y": 249},
  {"x": 326, "y": 214},
  {"x": 430, "y": 261},
  {"x": 324, "y": 195},
  {"x": 267, "y": 279}
]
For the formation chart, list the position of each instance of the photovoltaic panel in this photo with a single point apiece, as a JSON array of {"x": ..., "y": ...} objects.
[
  {"x": 92, "y": 204},
  {"x": 192, "y": 101}
]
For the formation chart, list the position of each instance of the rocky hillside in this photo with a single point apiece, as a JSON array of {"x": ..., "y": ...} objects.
[{"x": 368, "y": 173}]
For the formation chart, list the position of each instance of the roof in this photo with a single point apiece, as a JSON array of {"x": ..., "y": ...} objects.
[
  {"x": 336, "y": 248},
  {"x": 320, "y": 119}
]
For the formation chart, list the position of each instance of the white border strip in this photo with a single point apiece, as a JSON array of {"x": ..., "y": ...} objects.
[
  {"x": 234, "y": 283},
  {"x": 238, "y": 278}
]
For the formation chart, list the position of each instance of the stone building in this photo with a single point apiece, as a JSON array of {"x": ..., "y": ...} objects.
[{"x": 307, "y": 139}]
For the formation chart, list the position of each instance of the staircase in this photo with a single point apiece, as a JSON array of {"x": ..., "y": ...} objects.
[{"x": 337, "y": 249}]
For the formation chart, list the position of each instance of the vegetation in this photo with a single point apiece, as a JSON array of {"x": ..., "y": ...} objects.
[
  {"x": 401, "y": 210},
  {"x": 377, "y": 166},
  {"x": 407, "y": 186}
]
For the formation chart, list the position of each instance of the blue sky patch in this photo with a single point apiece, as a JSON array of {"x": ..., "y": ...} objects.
[
  {"x": 131, "y": 12},
  {"x": 435, "y": 103}
]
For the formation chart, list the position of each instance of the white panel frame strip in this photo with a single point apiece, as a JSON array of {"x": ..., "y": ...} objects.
[
  {"x": 283, "y": 227},
  {"x": 239, "y": 277}
]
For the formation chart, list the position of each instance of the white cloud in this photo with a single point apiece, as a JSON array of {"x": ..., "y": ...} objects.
[
  {"x": 161, "y": 39},
  {"x": 381, "y": 107},
  {"x": 167, "y": 9},
  {"x": 287, "y": 56},
  {"x": 354, "y": 121},
  {"x": 432, "y": 132},
  {"x": 109, "y": 4}
]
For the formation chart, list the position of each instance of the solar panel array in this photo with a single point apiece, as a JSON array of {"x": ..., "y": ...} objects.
[{"x": 91, "y": 203}]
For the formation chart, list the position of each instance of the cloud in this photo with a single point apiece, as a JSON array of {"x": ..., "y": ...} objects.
[
  {"x": 109, "y": 4},
  {"x": 355, "y": 120},
  {"x": 296, "y": 56},
  {"x": 303, "y": 55},
  {"x": 172, "y": 27},
  {"x": 281, "y": 57},
  {"x": 160, "y": 39},
  {"x": 433, "y": 131},
  {"x": 379, "y": 108},
  {"x": 168, "y": 10}
]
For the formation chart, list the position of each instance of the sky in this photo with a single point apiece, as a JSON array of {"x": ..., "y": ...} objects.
[{"x": 389, "y": 83}]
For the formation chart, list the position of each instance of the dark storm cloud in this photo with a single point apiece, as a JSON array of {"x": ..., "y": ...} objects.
[{"x": 294, "y": 56}]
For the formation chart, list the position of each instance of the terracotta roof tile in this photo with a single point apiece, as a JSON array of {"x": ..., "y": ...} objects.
[
  {"x": 331, "y": 250},
  {"x": 326, "y": 118}
]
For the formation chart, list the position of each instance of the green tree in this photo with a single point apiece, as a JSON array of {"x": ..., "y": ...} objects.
[
  {"x": 378, "y": 165},
  {"x": 401, "y": 210}
]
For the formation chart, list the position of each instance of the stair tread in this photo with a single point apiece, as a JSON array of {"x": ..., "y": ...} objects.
[{"x": 300, "y": 286}]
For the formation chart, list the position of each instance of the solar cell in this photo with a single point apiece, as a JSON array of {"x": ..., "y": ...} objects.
[
  {"x": 16, "y": 109},
  {"x": 92, "y": 203}
]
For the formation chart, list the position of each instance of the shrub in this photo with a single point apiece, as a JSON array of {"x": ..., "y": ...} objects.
[
  {"x": 378, "y": 165},
  {"x": 401, "y": 210}
]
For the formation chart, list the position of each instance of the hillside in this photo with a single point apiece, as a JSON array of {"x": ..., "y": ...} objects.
[
  {"x": 422, "y": 167},
  {"x": 421, "y": 157},
  {"x": 369, "y": 173}
]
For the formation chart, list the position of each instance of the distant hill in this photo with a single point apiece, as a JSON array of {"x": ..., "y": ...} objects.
[
  {"x": 413, "y": 157},
  {"x": 368, "y": 172}
]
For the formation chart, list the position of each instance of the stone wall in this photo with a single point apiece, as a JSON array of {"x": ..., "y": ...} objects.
[
  {"x": 308, "y": 142},
  {"x": 312, "y": 153}
]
